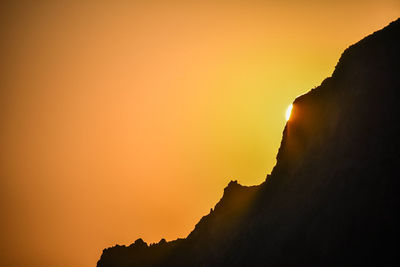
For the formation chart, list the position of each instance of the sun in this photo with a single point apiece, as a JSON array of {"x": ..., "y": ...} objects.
[{"x": 288, "y": 112}]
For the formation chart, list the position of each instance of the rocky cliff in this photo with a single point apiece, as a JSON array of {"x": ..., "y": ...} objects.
[{"x": 333, "y": 197}]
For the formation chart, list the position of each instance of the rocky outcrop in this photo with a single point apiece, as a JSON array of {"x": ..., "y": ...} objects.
[{"x": 333, "y": 197}]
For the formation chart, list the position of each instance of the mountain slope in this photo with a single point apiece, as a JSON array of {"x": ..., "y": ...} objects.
[{"x": 333, "y": 197}]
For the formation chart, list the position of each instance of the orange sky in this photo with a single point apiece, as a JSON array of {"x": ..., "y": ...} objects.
[{"x": 121, "y": 121}]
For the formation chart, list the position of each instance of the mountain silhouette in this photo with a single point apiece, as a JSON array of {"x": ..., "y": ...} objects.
[{"x": 333, "y": 198}]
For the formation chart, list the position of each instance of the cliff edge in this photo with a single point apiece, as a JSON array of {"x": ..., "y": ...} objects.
[{"x": 333, "y": 198}]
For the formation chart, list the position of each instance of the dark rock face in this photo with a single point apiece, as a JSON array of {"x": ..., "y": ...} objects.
[{"x": 333, "y": 198}]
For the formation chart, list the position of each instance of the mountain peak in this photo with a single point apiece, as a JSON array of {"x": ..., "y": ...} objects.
[{"x": 334, "y": 195}]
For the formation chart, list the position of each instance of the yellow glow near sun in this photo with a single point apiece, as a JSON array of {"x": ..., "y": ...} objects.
[{"x": 288, "y": 112}]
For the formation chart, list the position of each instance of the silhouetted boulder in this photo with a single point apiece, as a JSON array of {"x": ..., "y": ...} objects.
[{"x": 333, "y": 197}]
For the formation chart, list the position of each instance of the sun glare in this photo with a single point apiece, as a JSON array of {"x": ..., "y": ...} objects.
[{"x": 288, "y": 112}]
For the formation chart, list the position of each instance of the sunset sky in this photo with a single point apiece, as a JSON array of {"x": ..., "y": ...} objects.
[{"x": 127, "y": 120}]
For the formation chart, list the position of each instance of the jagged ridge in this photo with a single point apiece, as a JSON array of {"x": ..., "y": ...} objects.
[{"x": 333, "y": 197}]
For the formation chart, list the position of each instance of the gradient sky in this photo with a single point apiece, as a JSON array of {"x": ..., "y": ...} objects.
[{"x": 127, "y": 120}]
